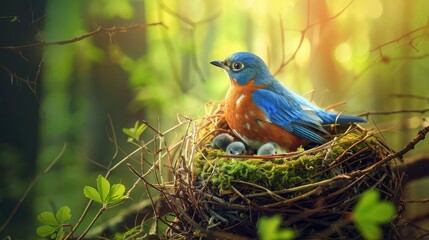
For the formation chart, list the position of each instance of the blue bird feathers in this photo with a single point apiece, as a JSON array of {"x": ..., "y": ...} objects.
[{"x": 257, "y": 105}]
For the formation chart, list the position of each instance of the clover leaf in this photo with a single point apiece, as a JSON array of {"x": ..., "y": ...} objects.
[
  {"x": 104, "y": 194},
  {"x": 53, "y": 224},
  {"x": 370, "y": 212}
]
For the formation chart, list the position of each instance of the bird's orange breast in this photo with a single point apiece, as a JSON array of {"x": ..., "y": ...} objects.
[{"x": 250, "y": 123}]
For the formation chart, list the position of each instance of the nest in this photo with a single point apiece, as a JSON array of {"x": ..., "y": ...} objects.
[{"x": 314, "y": 190}]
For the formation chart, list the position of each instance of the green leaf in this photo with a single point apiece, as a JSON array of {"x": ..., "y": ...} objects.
[
  {"x": 63, "y": 215},
  {"x": 370, "y": 231},
  {"x": 128, "y": 131},
  {"x": 117, "y": 193},
  {"x": 92, "y": 194},
  {"x": 46, "y": 230},
  {"x": 135, "y": 132},
  {"x": 60, "y": 234},
  {"x": 267, "y": 226},
  {"x": 47, "y": 218},
  {"x": 366, "y": 201},
  {"x": 269, "y": 229},
  {"x": 140, "y": 130},
  {"x": 286, "y": 234},
  {"x": 370, "y": 212},
  {"x": 103, "y": 187},
  {"x": 383, "y": 213}
]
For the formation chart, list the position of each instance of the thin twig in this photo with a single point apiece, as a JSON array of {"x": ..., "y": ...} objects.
[
  {"x": 304, "y": 32},
  {"x": 404, "y": 95},
  {"x": 99, "y": 30},
  {"x": 92, "y": 222},
  {"x": 396, "y": 40},
  {"x": 423, "y": 200},
  {"x": 366, "y": 114},
  {"x": 35, "y": 180},
  {"x": 411, "y": 145}
]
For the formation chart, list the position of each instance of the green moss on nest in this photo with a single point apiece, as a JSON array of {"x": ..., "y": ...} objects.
[{"x": 274, "y": 174}]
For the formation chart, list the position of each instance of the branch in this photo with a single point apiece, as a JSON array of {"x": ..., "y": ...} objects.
[
  {"x": 30, "y": 187},
  {"x": 418, "y": 217},
  {"x": 405, "y": 95},
  {"x": 303, "y": 33},
  {"x": 92, "y": 222},
  {"x": 415, "y": 167},
  {"x": 410, "y": 146},
  {"x": 422, "y": 111},
  {"x": 99, "y": 30},
  {"x": 423, "y": 200},
  {"x": 408, "y": 34}
]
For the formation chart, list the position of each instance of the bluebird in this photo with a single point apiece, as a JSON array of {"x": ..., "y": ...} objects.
[
  {"x": 222, "y": 141},
  {"x": 267, "y": 149},
  {"x": 236, "y": 148},
  {"x": 260, "y": 109}
]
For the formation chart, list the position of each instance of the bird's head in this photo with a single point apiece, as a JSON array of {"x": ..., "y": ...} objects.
[{"x": 243, "y": 67}]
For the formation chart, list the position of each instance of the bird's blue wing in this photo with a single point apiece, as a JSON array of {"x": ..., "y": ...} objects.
[
  {"x": 290, "y": 114},
  {"x": 327, "y": 117}
]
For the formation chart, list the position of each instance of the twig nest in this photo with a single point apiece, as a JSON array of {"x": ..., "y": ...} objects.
[{"x": 314, "y": 189}]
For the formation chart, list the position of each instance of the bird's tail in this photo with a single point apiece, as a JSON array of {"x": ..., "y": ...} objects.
[{"x": 331, "y": 117}]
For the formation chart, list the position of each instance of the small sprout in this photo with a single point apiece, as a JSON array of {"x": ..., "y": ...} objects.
[
  {"x": 105, "y": 194},
  {"x": 135, "y": 132},
  {"x": 370, "y": 212},
  {"x": 53, "y": 225}
]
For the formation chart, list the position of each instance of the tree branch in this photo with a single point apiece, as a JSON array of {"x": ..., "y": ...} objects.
[
  {"x": 413, "y": 96},
  {"x": 415, "y": 167},
  {"x": 411, "y": 145},
  {"x": 304, "y": 32},
  {"x": 422, "y": 111},
  {"x": 99, "y": 30},
  {"x": 398, "y": 39}
]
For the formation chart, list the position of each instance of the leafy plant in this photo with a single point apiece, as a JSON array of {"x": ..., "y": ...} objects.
[
  {"x": 105, "y": 194},
  {"x": 370, "y": 212},
  {"x": 54, "y": 224},
  {"x": 269, "y": 229},
  {"x": 135, "y": 132}
]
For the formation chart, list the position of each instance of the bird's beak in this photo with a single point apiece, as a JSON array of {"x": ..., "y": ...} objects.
[{"x": 220, "y": 64}]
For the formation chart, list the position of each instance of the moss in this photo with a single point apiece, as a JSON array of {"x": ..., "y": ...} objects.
[{"x": 274, "y": 174}]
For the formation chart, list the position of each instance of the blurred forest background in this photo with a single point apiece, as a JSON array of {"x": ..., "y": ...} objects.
[{"x": 80, "y": 94}]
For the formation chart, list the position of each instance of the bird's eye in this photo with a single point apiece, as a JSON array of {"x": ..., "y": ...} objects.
[{"x": 236, "y": 66}]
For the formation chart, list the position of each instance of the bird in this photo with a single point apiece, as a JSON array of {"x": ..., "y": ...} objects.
[
  {"x": 236, "y": 148},
  {"x": 260, "y": 109},
  {"x": 222, "y": 141},
  {"x": 267, "y": 149}
]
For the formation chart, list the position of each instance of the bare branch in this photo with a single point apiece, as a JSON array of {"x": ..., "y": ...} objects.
[
  {"x": 423, "y": 31},
  {"x": 423, "y": 200},
  {"x": 99, "y": 30},
  {"x": 415, "y": 167},
  {"x": 422, "y": 111},
  {"x": 304, "y": 32},
  {"x": 410, "y": 146},
  {"x": 27, "y": 191},
  {"x": 404, "y": 95}
]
